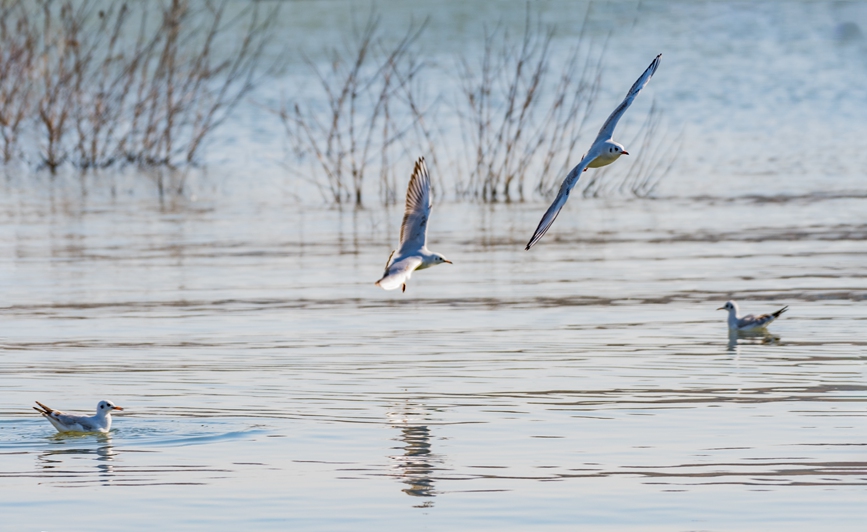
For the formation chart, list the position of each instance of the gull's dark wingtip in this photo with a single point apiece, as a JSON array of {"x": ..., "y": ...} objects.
[{"x": 532, "y": 242}]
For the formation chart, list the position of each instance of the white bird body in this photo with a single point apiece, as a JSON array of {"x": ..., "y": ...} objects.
[
  {"x": 63, "y": 422},
  {"x": 748, "y": 322},
  {"x": 610, "y": 152},
  {"x": 603, "y": 152},
  {"x": 413, "y": 253}
]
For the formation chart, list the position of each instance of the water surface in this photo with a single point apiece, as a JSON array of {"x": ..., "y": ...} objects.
[
  {"x": 588, "y": 384},
  {"x": 267, "y": 383}
]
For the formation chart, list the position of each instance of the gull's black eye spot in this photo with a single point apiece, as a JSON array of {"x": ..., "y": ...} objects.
[{"x": 102, "y": 406}]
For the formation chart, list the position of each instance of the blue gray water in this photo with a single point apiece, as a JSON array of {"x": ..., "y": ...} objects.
[{"x": 588, "y": 384}]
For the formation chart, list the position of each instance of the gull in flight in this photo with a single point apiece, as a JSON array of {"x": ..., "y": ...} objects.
[
  {"x": 63, "y": 422},
  {"x": 749, "y": 322},
  {"x": 604, "y": 151},
  {"x": 413, "y": 253}
]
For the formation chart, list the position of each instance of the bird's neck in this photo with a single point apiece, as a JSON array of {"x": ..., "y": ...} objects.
[{"x": 733, "y": 316}]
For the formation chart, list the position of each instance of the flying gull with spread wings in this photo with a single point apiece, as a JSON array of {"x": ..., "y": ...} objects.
[
  {"x": 413, "y": 253},
  {"x": 63, "y": 422},
  {"x": 604, "y": 151}
]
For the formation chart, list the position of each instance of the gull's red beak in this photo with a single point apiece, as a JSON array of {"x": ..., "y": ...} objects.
[
  {"x": 625, "y": 152},
  {"x": 721, "y": 308},
  {"x": 116, "y": 408},
  {"x": 447, "y": 261}
]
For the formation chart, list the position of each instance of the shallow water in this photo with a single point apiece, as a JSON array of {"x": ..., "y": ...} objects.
[
  {"x": 587, "y": 384},
  {"x": 268, "y": 384}
]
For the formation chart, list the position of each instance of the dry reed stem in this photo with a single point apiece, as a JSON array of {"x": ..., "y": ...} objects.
[
  {"x": 512, "y": 122},
  {"x": 367, "y": 78},
  {"x": 109, "y": 83}
]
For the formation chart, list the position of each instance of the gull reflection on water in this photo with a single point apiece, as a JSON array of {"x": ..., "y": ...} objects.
[
  {"x": 54, "y": 463},
  {"x": 416, "y": 466},
  {"x": 738, "y": 338}
]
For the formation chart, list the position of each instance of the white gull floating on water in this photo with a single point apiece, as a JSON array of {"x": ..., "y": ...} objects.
[
  {"x": 63, "y": 422},
  {"x": 749, "y": 322},
  {"x": 413, "y": 253},
  {"x": 604, "y": 151}
]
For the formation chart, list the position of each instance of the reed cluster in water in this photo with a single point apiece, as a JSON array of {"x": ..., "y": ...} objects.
[
  {"x": 502, "y": 125},
  {"x": 95, "y": 85},
  {"x": 367, "y": 109}
]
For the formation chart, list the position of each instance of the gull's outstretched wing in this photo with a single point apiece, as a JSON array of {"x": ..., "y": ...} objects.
[
  {"x": 755, "y": 322},
  {"x": 560, "y": 200},
  {"x": 398, "y": 273},
  {"x": 607, "y": 130},
  {"x": 413, "y": 230}
]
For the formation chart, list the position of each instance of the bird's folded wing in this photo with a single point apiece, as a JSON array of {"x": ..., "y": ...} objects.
[
  {"x": 749, "y": 320},
  {"x": 66, "y": 419},
  {"x": 398, "y": 273},
  {"x": 764, "y": 319},
  {"x": 85, "y": 423},
  {"x": 565, "y": 188},
  {"x": 413, "y": 230},
  {"x": 607, "y": 130}
]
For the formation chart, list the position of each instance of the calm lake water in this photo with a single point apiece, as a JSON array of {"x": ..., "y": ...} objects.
[{"x": 588, "y": 384}]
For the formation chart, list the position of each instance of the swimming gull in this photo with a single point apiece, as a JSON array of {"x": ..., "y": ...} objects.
[
  {"x": 63, "y": 422},
  {"x": 604, "y": 151},
  {"x": 749, "y": 322},
  {"x": 413, "y": 253}
]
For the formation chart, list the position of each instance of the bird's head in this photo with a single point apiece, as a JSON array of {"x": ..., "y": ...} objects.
[
  {"x": 105, "y": 407},
  {"x": 729, "y": 306},
  {"x": 615, "y": 149},
  {"x": 439, "y": 259}
]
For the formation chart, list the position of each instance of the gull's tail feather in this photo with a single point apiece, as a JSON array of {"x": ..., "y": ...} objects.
[
  {"x": 765, "y": 319},
  {"x": 45, "y": 410},
  {"x": 387, "y": 281},
  {"x": 546, "y": 222},
  {"x": 391, "y": 282}
]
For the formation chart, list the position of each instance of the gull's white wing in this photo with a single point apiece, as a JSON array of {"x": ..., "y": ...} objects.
[
  {"x": 562, "y": 196},
  {"x": 413, "y": 230},
  {"x": 753, "y": 322},
  {"x": 72, "y": 422},
  {"x": 63, "y": 421},
  {"x": 607, "y": 130},
  {"x": 398, "y": 273}
]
